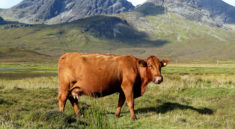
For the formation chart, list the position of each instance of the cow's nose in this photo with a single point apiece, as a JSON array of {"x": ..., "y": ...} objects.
[{"x": 158, "y": 79}]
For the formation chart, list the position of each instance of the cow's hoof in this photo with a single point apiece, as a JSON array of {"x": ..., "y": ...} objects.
[
  {"x": 79, "y": 115},
  {"x": 134, "y": 118},
  {"x": 117, "y": 116}
]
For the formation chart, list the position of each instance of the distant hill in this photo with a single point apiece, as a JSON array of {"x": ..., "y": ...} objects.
[
  {"x": 137, "y": 33},
  {"x": 59, "y": 11}
]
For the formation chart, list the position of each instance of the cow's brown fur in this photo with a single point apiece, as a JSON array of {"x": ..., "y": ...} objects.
[{"x": 103, "y": 74}]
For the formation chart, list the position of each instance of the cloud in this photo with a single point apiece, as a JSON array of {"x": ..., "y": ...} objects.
[
  {"x": 136, "y": 2},
  {"x": 8, "y": 3},
  {"x": 232, "y": 2}
]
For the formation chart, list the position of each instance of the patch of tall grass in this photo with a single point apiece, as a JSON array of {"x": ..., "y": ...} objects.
[{"x": 30, "y": 83}]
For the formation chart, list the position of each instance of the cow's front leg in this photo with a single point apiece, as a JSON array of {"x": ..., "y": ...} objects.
[
  {"x": 120, "y": 103},
  {"x": 129, "y": 93}
]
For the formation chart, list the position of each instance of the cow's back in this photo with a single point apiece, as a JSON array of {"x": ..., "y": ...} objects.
[{"x": 99, "y": 74}]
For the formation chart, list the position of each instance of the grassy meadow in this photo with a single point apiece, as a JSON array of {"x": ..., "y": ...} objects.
[{"x": 191, "y": 96}]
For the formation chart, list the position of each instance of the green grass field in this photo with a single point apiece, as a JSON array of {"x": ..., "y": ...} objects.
[{"x": 190, "y": 97}]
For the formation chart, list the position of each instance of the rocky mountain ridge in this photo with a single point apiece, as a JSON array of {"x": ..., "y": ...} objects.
[
  {"x": 60, "y": 11},
  {"x": 211, "y": 11}
]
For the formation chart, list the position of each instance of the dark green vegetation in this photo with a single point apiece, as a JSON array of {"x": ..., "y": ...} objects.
[
  {"x": 189, "y": 97},
  {"x": 1, "y": 20}
]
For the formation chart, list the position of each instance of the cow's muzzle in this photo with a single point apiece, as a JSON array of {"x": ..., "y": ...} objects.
[{"x": 157, "y": 79}]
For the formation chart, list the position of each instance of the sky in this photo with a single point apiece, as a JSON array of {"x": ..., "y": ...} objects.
[
  {"x": 136, "y": 2},
  {"x": 232, "y": 2},
  {"x": 10, "y": 3}
]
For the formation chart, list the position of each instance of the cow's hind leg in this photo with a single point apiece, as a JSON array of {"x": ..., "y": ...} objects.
[
  {"x": 76, "y": 92},
  {"x": 74, "y": 103},
  {"x": 62, "y": 98},
  {"x": 120, "y": 103},
  {"x": 63, "y": 94}
]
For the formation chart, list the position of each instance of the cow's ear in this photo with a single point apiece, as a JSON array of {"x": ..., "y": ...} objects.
[
  {"x": 164, "y": 62},
  {"x": 142, "y": 63}
]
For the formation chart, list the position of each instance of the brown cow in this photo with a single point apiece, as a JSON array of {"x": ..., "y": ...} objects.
[{"x": 104, "y": 74}]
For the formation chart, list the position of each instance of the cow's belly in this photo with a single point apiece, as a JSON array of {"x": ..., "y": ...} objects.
[{"x": 99, "y": 86}]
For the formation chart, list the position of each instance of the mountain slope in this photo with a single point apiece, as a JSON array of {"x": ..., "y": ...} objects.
[
  {"x": 187, "y": 40},
  {"x": 58, "y": 11},
  {"x": 161, "y": 34}
]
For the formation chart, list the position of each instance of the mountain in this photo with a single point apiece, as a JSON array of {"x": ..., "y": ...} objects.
[
  {"x": 214, "y": 12},
  {"x": 140, "y": 33},
  {"x": 168, "y": 30},
  {"x": 59, "y": 11}
]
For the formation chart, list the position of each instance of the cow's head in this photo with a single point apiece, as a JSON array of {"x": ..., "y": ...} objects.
[{"x": 154, "y": 66}]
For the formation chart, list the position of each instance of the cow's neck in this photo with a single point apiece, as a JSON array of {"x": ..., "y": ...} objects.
[{"x": 146, "y": 78}]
